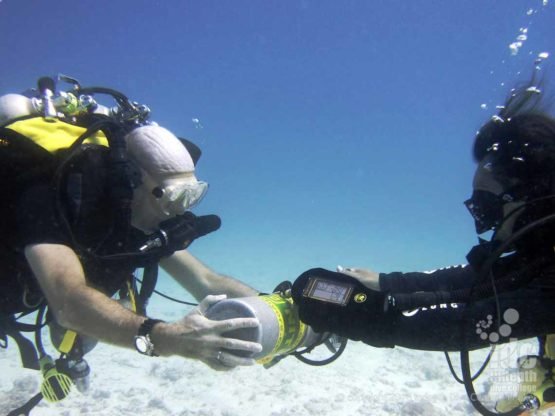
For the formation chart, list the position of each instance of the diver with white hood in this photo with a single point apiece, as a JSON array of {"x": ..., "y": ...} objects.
[{"x": 93, "y": 194}]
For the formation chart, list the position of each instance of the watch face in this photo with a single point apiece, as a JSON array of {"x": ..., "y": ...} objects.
[{"x": 141, "y": 344}]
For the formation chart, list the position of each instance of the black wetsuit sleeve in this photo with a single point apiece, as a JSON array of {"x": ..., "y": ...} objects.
[
  {"x": 447, "y": 279},
  {"x": 522, "y": 313}
]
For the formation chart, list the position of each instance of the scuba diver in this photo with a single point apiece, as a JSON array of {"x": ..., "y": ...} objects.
[
  {"x": 91, "y": 194},
  {"x": 506, "y": 292}
]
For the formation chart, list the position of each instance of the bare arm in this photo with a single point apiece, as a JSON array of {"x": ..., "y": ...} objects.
[
  {"x": 75, "y": 304},
  {"x": 79, "y": 307},
  {"x": 199, "y": 280}
]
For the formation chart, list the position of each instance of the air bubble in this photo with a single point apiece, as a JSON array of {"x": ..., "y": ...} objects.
[
  {"x": 515, "y": 47},
  {"x": 196, "y": 122},
  {"x": 534, "y": 90}
]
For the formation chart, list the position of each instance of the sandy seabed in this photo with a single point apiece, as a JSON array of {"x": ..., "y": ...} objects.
[{"x": 363, "y": 381}]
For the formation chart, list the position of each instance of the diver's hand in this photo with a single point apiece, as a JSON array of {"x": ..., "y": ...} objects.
[
  {"x": 363, "y": 317},
  {"x": 195, "y": 336},
  {"x": 368, "y": 278}
]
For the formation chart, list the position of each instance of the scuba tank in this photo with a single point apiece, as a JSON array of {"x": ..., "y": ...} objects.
[
  {"x": 13, "y": 106},
  {"x": 281, "y": 333},
  {"x": 51, "y": 104}
]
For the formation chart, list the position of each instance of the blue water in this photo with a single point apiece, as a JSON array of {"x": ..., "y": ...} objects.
[{"x": 333, "y": 132}]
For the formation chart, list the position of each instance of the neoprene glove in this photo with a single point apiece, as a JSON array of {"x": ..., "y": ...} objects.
[{"x": 362, "y": 318}]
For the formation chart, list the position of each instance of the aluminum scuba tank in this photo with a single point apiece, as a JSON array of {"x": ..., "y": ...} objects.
[
  {"x": 280, "y": 331},
  {"x": 14, "y": 106}
]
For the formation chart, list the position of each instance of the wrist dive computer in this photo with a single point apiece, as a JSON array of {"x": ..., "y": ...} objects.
[{"x": 334, "y": 302}]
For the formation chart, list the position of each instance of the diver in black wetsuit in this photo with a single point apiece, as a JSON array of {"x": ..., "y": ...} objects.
[{"x": 508, "y": 289}]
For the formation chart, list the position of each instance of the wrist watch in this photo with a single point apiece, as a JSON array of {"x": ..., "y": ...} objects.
[{"x": 143, "y": 344}]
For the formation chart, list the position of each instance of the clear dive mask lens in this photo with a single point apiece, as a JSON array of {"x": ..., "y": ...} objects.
[{"x": 177, "y": 198}]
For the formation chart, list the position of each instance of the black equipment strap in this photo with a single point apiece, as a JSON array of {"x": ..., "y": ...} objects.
[
  {"x": 122, "y": 188},
  {"x": 27, "y": 350},
  {"x": 27, "y": 407},
  {"x": 150, "y": 277}
]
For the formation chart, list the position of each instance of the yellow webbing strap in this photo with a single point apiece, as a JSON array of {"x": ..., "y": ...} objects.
[
  {"x": 67, "y": 342},
  {"x": 131, "y": 293},
  {"x": 54, "y": 135}
]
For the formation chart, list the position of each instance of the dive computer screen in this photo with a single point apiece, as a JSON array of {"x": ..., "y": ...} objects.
[{"x": 328, "y": 290}]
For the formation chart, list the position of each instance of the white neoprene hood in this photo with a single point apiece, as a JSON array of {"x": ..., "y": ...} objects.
[{"x": 158, "y": 151}]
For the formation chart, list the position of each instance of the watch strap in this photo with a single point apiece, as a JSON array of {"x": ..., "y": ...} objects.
[
  {"x": 143, "y": 335},
  {"x": 147, "y": 325}
]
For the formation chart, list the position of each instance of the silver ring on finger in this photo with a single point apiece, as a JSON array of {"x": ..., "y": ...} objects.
[{"x": 219, "y": 356}]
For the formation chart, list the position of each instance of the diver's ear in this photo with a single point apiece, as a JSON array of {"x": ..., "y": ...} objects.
[{"x": 192, "y": 148}]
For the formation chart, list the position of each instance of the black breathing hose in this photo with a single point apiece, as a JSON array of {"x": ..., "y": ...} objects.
[
  {"x": 120, "y": 98},
  {"x": 483, "y": 275}
]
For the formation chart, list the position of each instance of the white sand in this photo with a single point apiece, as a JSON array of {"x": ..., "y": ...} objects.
[{"x": 364, "y": 381}]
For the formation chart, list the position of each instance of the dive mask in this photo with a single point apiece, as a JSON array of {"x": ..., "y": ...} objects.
[
  {"x": 486, "y": 208},
  {"x": 495, "y": 185},
  {"x": 177, "y": 198}
]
